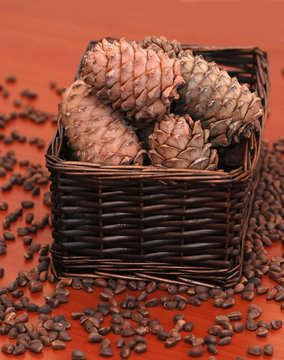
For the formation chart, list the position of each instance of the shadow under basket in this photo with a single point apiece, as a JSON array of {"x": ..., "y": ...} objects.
[{"x": 146, "y": 223}]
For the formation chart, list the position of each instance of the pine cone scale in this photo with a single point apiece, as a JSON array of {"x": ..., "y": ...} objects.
[
  {"x": 140, "y": 88},
  {"x": 125, "y": 91},
  {"x": 176, "y": 163},
  {"x": 140, "y": 62},
  {"x": 197, "y": 141},
  {"x": 200, "y": 164},
  {"x": 191, "y": 154},
  {"x": 153, "y": 95},
  {"x": 220, "y": 140}
]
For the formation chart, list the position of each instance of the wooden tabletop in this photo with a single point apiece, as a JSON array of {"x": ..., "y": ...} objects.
[{"x": 42, "y": 40}]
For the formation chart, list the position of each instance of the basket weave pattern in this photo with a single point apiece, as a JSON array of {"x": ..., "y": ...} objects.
[{"x": 142, "y": 222}]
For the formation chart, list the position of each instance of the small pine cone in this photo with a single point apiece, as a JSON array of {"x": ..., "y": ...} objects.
[
  {"x": 178, "y": 142},
  {"x": 96, "y": 132},
  {"x": 138, "y": 81},
  {"x": 172, "y": 48},
  {"x": 228, "y": 109}
]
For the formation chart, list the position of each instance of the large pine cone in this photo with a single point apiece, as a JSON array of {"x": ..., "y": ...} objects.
[
  {"x": 228, "y": 109},
  {"x": 95, "y": 131},
  {"x": 178, "y": 142},
  {"x": 135, "y": 80}
]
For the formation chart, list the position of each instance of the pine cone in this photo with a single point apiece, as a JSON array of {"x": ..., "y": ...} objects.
[
  {"x": 171, "y": 48},
  {"x": 224, "y": 106},
  {"x": 96, "y": 132},
  {"x": 135, "y": 80},
  {"x": 178, "y": 142}
]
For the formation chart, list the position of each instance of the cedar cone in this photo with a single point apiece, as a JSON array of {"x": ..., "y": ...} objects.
[
  {"x": 179, "y": 142},
  {"x": 228, "y": 109},
  {"x": 135, "y": 80},
  {"x": 96, "y": 132}
]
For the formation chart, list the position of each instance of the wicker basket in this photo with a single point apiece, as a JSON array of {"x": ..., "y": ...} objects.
[{"x": 180, "y": 226}]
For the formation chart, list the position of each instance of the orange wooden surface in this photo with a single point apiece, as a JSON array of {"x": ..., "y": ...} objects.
[{"x": 42, "y": 40}]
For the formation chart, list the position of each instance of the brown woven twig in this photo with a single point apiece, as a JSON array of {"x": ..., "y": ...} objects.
[{"x": 142, "y": 222}]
